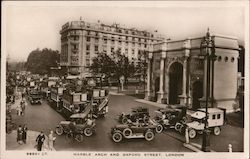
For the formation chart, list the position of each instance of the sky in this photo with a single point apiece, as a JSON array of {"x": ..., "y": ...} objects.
[{"x": 30, "y": 25}]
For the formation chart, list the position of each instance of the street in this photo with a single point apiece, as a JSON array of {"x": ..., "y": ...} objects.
[{"x": 44, "y": 118}]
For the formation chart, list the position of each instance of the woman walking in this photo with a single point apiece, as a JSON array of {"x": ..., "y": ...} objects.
[{"x": 51, "y": 140}]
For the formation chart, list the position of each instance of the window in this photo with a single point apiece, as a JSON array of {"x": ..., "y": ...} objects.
[
  {"x": 87, "y": 47},
  {"x": 105, "y": 40},
  {"x": 76, "y": 37},
  {"x": 88, "y": 38},
  {"x": 232, "y": 59},
  {"x": 145, "y": 45},
  {"x": 133, "y": 51},
  {"x": 226, "y": 59},
  {"x": 74, "y": 46},
  {"x": 218, "y": 116},
  {"x": 133, "y": 44},
  {"x": 96, "y": 48},
  {"x": 87, "y": 62},
  {"x": 112, "y": 40},
  {"x": 126, "y": 43},
  {"x": 139, "y": 39},
  {"x": 87, "y": 53},
  {"x": 112, "y": 49},
  {"x": 120, "y": 42},
  {"x": 133, "y": 39},
  {"x": 219, "y": 58},
  {"x": 126, "y": 51},
  {"x": 213, "y": 117},
  {"x": 96, "y": 40}
]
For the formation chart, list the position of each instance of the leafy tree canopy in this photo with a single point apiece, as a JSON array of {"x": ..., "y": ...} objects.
[{"x": 40, "y": 61}]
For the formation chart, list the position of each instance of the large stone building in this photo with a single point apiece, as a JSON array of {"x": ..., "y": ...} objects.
[
  {"x": 177, "y": 72},
  {"x": 81, "y": 41}
]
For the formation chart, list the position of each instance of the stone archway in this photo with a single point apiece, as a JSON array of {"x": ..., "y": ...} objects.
[
  {"x": 175, "y": 82},
  {"x": 197, "y": 93}
]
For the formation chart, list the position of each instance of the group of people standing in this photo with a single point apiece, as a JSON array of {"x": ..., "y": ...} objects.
[
  {"x": 41, "y": 138},
  {"x": 22, "y": 134}
]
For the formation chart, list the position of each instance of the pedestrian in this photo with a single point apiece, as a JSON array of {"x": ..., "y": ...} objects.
[
  {"x": 19, "y": 109},
  {"x": 23, "y": 104},
  {"x": 19, "y": 134},
  {"x": 24, "y": 136},
  {"x": 51, "y": 140},
  {"x": 39, "y": 140}
]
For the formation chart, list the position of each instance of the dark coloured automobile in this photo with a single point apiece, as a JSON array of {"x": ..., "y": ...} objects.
[
  {"x": 35, "y": 97},
  {"x": 83, "y": 124},
  {"x": 140, "y": 113},
  {"x": 171, "y": 117},
  {"x": 129, "y": 131}
]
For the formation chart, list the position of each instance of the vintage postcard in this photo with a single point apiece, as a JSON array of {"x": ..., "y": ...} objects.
[{"x": 125, "y": 79}]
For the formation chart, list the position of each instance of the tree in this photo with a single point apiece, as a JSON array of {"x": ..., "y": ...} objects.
[
  {"x": 123, "y": 67},
  {"x": 141, "y": 67},
  {"x": 40, "y": 61},
  {"x": 113, "y": 66},
  {"x": 102, "y": 65}
]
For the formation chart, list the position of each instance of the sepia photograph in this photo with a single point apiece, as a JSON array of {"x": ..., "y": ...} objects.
[{"x": 125, "y": 79}]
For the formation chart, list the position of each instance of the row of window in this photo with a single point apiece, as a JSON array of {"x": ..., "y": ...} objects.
[
  {"x": 226, "y": 59},
  {"x": 105, "y": 38},
  {"x": 145, "y": 34}
]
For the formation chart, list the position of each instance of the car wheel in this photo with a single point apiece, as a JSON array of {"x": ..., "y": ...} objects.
[
  {"x": 216, "y": 130},
  {"x": 177, "y": 127},
  {"x": 184, "y": 120},
  {"x": 88, "y": 132},
  {"x": 59, "y": 130},
  {"x": 69, "y": 137},
  {"x": 145, "y": 119},
  {"x": 127, "y": 132},
  {"x": 159, "y": 128},
  {"x": 117, "y": 137},
  {"x": 124, "y": 120},
  {"x": 192, "y": 133},
  {"x": 149, "y": 135},
  {"x": 79, "y": 137}
]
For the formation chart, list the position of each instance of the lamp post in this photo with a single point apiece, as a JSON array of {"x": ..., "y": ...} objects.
[{"x": 207, "y": 50}]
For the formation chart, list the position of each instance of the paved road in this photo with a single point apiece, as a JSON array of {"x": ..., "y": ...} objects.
[
  {"x": 101, "y": 141},
  {"x": 43, "y": 117}
]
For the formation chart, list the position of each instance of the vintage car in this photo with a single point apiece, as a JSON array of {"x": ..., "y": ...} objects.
[
  {"x": 35, "y": 97},
  {"x": 216, "y": 119},
  {"x": 81, "y": 124},
  {"x": 140, "y": 113},
  {"x": 170, "y": 117},
  {"x": 129, "y": 131}
]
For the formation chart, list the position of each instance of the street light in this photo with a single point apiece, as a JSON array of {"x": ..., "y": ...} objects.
[{"x": 207, "y": 50}]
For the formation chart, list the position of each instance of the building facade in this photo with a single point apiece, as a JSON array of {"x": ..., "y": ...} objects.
[
  {"x": 177, "y": 72},
  {"x": 81, "y": 41}
]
